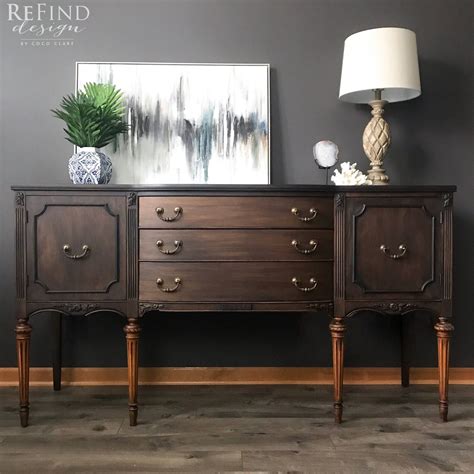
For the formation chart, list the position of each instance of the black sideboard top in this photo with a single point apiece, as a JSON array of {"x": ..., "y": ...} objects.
[{"x": 242, "y": 188}]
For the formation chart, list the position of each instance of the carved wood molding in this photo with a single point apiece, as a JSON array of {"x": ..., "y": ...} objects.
[
  {"x": 132, "y": 329},
  {"x": 329, "y": 307},
  {"x": 20, "y": 199},
  {"x": 131, "y": 199},
  {"x": 337, "y": 328},
  {"x": 146, "y": 307},
  {"x": 444, "y": 328},
  {"x": 394, "y": 308},
  {"x": 447, "y": 200},
  {"x": 339, "y": 199},
  {"x": 23, "y": 329},
  {"x": 77, "y": 308}
]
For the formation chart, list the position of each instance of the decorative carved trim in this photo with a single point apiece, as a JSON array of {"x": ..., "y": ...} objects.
[
  {"x": 339, "y": 199},
  {"x": 132, "y": 328},
  {"x": 447, "y": 200},
  {"x": 443, "y": 327},
  {"x": 321, "y": 306},
  {"x": 394, "y": 308},
  {"x": 145, "y": 307},
  {"x": 22, "y": 329},
  {"x": 77, "y": 308},
  {"x": 337, "y": 327},
  {"x": 20, "y": 199},
  {"x": 131, "y": 199}
]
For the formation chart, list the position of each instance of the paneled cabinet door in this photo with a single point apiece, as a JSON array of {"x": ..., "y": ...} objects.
[
  {"x": 393, "y": 247},
  {"x": 76, "y": 247}
]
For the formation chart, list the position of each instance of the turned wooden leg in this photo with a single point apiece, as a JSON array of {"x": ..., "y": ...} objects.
[
  {"x": 23, "y": 333},
  {"x": 132, "y": 332},
  {"x": 337, "y": 328},
  {"x": 444, "y": 331},
  {"x": 57, "y": 350}
]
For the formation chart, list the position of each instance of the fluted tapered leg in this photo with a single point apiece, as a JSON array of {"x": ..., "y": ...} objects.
[
  {"x": 444, "y": 330},
  {"x": 23, "y": 334},
  {"x": 132, "y": 333},
  {"x": 337, "y": 328}
]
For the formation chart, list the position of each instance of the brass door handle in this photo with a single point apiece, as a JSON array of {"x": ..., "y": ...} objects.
[
  {"x": 159, "y": 284},
  {"x": 177, "y": 214},
  {"x": 313, "y": 213},
  {"x": 312, "y": 243},
  {"x": 312, "y": 280},
  {"x": 67, "y": 250},
  {"x": 178, "y": 245},
  {"x": 395, "y": 256}
]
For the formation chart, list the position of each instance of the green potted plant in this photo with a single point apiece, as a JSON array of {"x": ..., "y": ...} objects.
[{"x": 94, "y": 116}]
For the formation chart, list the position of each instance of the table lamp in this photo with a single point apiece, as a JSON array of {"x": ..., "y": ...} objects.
[{"x": 379, "y": 66}]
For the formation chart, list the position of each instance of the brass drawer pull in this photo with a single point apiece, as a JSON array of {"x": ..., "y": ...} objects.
[
  {"x": 313, "y": 213},
  {"x": 178, "y": 245},
  {"x": 312, "y": 280},
  {"x": 159, "y": 284},
  {"x": 67, "y": 250},
  {"x": 312, "y": 243},
  {"x": 177, "y": 214},
  {"x": 395, "y": 256}
]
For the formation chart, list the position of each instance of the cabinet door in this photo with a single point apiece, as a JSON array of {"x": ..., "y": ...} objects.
[
  {"x": 393, "y": 247},
  {"x": 76, "y": 247}
]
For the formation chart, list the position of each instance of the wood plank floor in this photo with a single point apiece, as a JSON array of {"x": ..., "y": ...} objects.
[{"x": 238, "y": 428}]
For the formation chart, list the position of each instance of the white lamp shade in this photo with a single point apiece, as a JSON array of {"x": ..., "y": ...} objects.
[{"x": 382, "y": 58}]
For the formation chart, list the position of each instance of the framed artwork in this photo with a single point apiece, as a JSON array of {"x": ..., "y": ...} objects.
[{"x": 189, "y": 123}]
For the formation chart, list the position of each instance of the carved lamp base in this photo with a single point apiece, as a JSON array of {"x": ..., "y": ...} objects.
[{"x": 376, "y": 140}]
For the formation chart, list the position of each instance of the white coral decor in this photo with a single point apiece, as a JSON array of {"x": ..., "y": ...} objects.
[{"x": 349, "y": 176}]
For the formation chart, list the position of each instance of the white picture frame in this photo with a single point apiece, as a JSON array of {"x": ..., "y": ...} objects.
[{"x": 191, "y": 123}]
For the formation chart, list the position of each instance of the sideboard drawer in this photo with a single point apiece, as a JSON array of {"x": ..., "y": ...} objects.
[
  {"x": 236, "y": 212},
  {"x": 235, "y": 281},
  {"x": 394, "y": 247},
  {"x": 77, "y": 247},
  {"x": 220, "y": 244}
]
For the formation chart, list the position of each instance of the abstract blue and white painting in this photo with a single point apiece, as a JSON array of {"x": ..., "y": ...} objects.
[{"x": 189, "y": 123}]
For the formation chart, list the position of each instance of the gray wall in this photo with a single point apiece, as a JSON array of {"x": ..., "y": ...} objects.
[{"x": 303, "y": 42}]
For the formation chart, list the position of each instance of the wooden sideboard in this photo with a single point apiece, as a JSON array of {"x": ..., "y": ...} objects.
[{"x": 132, "y": 250}]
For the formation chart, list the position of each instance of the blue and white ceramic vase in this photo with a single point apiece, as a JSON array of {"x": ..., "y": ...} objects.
[{"x": 90, "y": 166}]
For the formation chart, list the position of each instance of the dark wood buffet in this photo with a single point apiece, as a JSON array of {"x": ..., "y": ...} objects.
[{"x": 133, "y": 250}]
